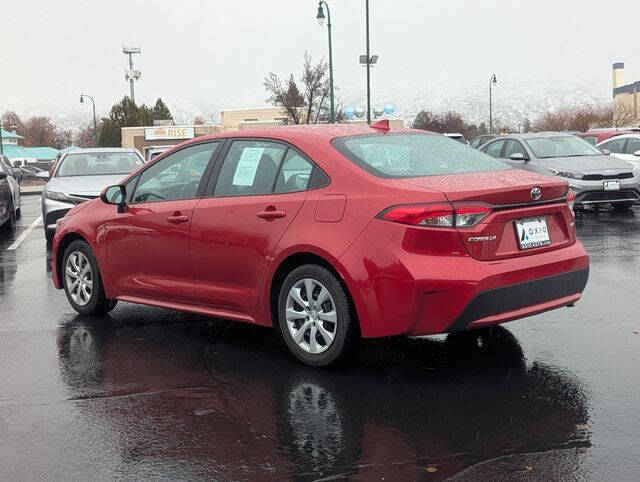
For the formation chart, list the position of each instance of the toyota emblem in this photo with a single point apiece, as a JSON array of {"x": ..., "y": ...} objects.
[{"x": 536, "y": 193}]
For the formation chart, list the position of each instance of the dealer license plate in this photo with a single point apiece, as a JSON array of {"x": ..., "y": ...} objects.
[
  {"x": 612, "y": 185},
  {"x": 532, "y": 233}
]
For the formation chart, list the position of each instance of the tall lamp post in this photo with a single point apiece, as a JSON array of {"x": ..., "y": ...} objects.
[
  {"x": 492, "y": 82},
  {"x": 95, "y": 124},
  {"x": 320, "y": 18},
  {"x": 368, "y": 67},
  {"x": 1, "y": 141}
]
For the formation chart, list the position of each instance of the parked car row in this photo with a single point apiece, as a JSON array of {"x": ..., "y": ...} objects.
[{"x": 606, "y": 173}]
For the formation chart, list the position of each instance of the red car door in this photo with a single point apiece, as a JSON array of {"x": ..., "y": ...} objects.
[
  {"x": 148, "y": 244},
  {"x": 235, "y": 231}
]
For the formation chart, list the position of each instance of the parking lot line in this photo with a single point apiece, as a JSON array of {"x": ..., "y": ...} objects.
[{"x": 24, "y": 234}]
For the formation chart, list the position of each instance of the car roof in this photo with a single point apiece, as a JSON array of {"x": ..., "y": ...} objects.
[
  {"x": 631, "y": 135},
  {"x": 306, "y": 132},
  {"x": 95, "y": 150},
  {"x": 536, "y": 135}
]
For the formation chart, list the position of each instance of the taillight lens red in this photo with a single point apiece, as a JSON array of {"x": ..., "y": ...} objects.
[
  {"x": 437, "y": 215},
  {"x": 571, "y": 198}
]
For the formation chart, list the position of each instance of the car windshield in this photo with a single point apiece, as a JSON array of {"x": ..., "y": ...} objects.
[
  {"x": 99, "y": 164},
  {"x": 414, "y": 155},
  {"x": 547, "y": 147}
]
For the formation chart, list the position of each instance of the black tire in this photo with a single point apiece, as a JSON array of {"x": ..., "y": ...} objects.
[
  {"x": 345, "y": 332},
  {"x": 622, "y": 206},
  {"x": 18, "y": 213},
  {"x": 98, "y": 303},
  {"x": 11, "y": 221},
  {"x": 48, "y": 235}
]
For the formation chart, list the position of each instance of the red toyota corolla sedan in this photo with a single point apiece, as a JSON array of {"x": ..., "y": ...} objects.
[{"x": 327, "y": 233}]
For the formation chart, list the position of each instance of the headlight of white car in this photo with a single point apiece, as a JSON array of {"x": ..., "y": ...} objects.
[
  {"x": 567, "y": 174},
  {"x": 55, "y": 196}
]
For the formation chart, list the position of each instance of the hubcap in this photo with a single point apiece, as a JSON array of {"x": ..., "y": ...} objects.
[
  {"x": 79, "y": 278},
  {"x": 311, "y": 315}
]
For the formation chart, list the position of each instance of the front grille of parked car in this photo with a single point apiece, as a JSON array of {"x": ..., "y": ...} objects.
[
  {"x": 80, "y": 198},
  {"x": 590, "y": 197},
  {"x": 602, "y": 177}
]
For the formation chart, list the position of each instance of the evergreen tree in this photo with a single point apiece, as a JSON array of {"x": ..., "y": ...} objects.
[{"x": 161, "y": 111}]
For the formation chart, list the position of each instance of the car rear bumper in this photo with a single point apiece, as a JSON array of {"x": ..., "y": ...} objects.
[{"x": 400, "y": 291}]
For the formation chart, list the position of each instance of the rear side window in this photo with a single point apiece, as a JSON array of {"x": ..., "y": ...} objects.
[
  {"x": 414, "y": 155},
  {"x": 250, "y": 168},
  {"x": 295, "y": 173},
  {"x": 591, "y": 140}
]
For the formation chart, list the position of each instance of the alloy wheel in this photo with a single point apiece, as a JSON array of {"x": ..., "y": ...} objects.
[
  {"x": 79, "y": 278},
  {"x": 311, "y": 316}
]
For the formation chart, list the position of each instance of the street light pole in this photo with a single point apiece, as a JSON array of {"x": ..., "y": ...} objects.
[
  {"x": 95, "y": 124},
  {"x": 368, "y": 67},
  {"x": 1, "y": 141},
  {"x": 492, "y": 82},
  {"x": 320, "y": 18}
]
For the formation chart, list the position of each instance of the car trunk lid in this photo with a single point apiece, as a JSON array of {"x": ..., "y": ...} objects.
[{"x": 514, "y": 196}]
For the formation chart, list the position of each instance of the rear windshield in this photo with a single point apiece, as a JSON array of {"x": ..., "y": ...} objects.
[
  {"x": 414, "y": 155},
  {"x": 99, "y": 164}
]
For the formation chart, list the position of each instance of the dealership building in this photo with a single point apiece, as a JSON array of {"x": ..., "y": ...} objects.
[
  {"x": 145, "y": 138},
  {"x": 626, "y": 96}
]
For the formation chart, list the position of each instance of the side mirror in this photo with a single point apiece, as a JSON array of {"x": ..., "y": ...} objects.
[
  {"x": 43, "y": 175},
  {"x": 116, "y": 195},
  {"x": 637, "y": 153},
  {"x": 606, "y": 152},
  {"x": 518, "y": 156}
]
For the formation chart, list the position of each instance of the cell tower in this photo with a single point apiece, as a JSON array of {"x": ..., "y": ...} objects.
[{"x": 131, "y": 74}]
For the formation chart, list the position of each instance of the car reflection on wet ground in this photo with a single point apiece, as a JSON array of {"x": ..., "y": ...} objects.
[{"x": 148, "y": 393}]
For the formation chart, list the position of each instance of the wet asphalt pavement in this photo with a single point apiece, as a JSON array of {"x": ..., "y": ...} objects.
[{"x": 148, "y": 393}]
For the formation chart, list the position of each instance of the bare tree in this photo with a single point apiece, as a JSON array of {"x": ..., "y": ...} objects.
[
  {"x": 585, "y": 117},
  {"x": 312, "y": 104},
  {"x": 39, "y": 131},
  {"x": 286, "y": 95},
  {"x": 199, "y": 120},
  {"x": 623, "y": 115},
  {"x": 11, "y": 120},
  {"x": 85, "y": 137}
]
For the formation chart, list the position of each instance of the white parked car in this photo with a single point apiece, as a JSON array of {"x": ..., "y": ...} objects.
[
  {"x": 14, "y": 185},
  {"x": 625, "y": 147}
]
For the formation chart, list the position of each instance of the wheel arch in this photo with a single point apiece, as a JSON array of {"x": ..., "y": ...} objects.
[
  {"x": 66, "y": 240},
  {"x": 291, "y": 262}
]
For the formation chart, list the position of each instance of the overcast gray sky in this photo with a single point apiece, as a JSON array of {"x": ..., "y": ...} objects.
[{"x": 216, "y": 53}]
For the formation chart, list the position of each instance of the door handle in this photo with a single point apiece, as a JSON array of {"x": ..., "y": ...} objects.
[
  {"x": 273, "y": 213},
  {"x": 178, "y": 218}
]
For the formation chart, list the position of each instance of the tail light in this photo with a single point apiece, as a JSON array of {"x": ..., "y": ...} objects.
[
  {"x": 437, "y": 215},
  {"x": 571, "y": 198}
]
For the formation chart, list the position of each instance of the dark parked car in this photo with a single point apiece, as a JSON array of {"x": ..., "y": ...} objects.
[
  {"x": 481, "y": 139},
  {"x": 7, "y": 213}
]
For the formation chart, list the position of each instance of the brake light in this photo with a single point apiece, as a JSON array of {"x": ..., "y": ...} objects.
[
  {"x": 571, "y": 198},
  {"x": 437, "y": 215},
  {"x": 470, "y": 214}
]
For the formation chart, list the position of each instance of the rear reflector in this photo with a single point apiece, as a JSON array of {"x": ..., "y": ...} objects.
[{"x": 436, "y": 215}]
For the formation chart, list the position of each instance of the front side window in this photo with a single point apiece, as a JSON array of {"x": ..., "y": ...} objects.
[
  {"x": 99, "y": 164},
  {"x": 413, "y": 155},
  {"x": 495, "y": 148},
  {"x": 633, "y": 146},
  {"x": 250, "y": 168},
  {"x": 615, "y": 146},
  {"x": 514, "y": 147},
  {"x": 295, "y": 173},
  {"x": 177, "y": 176},
  {"x": 548, "y": 147}
]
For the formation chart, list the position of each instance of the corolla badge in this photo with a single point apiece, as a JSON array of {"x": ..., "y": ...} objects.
[
  {"x": 481, "y": 239},
  {"x": 536, "y": 192}
]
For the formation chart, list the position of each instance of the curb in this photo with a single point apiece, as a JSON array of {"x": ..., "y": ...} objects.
[{"x": 30, "y": 193}]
